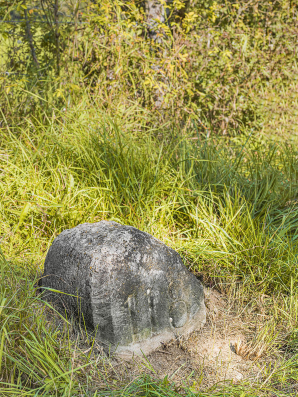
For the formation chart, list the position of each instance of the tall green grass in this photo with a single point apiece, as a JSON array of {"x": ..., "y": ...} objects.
[{"x": 228, "y": 206}]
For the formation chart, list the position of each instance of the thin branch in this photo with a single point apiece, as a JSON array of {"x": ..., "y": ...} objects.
[
  {"x": 30, "y": 40},
  {"x": 57, "y": 35}
]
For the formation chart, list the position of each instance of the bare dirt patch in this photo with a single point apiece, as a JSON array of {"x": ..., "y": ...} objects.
[
  {"x": 203, "y": 358},
  {"x": 222, "y": 351}
]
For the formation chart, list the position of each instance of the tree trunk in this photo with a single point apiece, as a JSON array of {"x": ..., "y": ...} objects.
[{"x": 156, "y": 14}]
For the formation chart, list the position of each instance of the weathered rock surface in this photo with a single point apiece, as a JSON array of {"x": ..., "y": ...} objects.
[{"x": 128, "y": 287}]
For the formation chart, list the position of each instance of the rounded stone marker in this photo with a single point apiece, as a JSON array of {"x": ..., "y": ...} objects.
[{"x": 128, "y": 288}]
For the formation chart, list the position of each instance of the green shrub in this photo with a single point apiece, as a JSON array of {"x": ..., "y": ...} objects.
[{"x": 226, "y": 65}]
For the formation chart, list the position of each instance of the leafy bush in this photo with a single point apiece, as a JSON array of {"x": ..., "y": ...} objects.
[{"x": 223, "y": 64}]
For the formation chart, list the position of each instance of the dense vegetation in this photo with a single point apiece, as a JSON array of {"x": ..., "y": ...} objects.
[{"x": 191, "y": 139}]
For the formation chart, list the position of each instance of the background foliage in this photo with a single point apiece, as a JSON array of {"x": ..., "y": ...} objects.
[{"x": 228, "y": 65}]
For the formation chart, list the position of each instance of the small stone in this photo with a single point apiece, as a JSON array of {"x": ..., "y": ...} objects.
[{"x": 127, "y": 288}]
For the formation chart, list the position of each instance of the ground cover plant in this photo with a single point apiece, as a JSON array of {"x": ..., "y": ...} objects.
[{"x": 103, "y": 124}]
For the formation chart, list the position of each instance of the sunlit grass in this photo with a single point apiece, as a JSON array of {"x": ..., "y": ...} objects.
[
  {"x": 227, "y": 206},
  {"x": 231, "y": 206}
]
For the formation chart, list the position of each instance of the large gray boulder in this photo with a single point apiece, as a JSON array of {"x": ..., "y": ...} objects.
[{"x": 129, "y": 289}]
